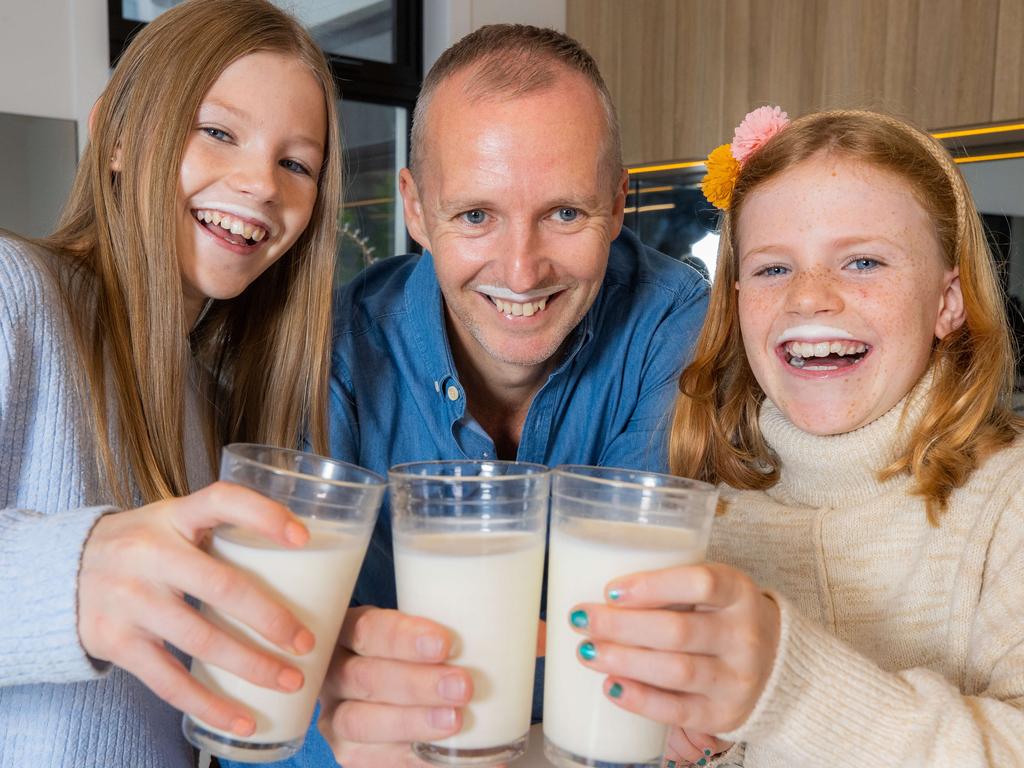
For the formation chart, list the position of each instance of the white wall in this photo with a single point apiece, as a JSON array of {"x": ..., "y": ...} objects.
[
  {"x": 53, "y": 58},
  {"x": 445, "y": 21}
]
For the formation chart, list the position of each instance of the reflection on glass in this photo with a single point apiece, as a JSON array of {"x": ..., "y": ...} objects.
[
  {"x": 668, "y": 212},
  {"x": 362, "y": 29},
  {"x": 374, "y": 137}
]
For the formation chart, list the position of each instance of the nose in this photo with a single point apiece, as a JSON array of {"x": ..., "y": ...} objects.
[
  {"x": 255, "y": 175},
  {"x": 524, "y": 264},
  {"x": 812, "y": 292}
]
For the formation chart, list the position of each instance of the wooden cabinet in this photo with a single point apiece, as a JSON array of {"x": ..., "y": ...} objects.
[{"x": 684, "y": 72}]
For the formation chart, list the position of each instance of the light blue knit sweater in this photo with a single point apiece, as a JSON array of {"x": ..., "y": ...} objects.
[{"x": 57, "y": 709}]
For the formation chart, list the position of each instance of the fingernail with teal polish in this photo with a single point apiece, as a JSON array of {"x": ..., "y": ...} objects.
[
  {"x": 671, "y": 764},
  {"x": 707, "y": 753},
  {"x": 615, "y": 691},
  {"x": 579, "y": 619},
  {"x": 587, "y": 651},
  {"x": 614, "y": 594},
  {"x": 702, "y": 761}
]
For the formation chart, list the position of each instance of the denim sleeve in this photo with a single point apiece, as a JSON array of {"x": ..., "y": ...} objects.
[{"x": 644, "y": 443}]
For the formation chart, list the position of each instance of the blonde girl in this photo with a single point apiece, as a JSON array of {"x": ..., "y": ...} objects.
[
  {"x": 864, "y": 597},
  {"x": 182, "y": 303}
]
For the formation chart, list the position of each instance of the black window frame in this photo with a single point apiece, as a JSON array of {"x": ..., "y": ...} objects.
[{"x": 395, "y": 83}]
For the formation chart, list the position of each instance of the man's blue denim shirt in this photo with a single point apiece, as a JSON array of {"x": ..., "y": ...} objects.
[{"x": 395, "y": 394}]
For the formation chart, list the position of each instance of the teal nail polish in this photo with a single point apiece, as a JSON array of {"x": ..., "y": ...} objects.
[
  {"x": 702, "y": 761},
  {"x": 579, "y": 619},
  {"x": 707, "y": 753},
  {"x": 615, "y": 691},
  {"x": 614, "y": 594},
  {"x": 588, "y": 651},
  {"x": 671, "y": 764}
]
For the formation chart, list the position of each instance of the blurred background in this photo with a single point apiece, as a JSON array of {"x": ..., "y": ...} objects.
[{"x": 682, "y": 72}]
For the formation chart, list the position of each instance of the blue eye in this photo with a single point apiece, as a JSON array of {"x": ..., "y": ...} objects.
[
  {"x": 217, "y": 133},
  {"x": 774, "y": 270},
  {"x": 567, "y": 215},
  {"x": 864, "y": 263},
  {"x": 295, "y": 167},
  {"x": 476, "y": 216}
]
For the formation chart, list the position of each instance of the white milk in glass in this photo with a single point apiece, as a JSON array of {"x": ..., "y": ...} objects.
[
  {"x": 315, "y": 582},
  {"x": 485, "y": 588},
  {"x": 585, "y": 554}
]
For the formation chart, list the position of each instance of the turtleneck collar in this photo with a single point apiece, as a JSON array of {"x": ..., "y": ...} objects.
[{"x": 841, "y": 470}]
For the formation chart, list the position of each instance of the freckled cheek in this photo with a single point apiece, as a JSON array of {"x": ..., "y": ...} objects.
[{"x": 757, "y": 311}]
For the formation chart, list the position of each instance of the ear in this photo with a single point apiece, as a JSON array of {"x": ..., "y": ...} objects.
[
  {"x": 951, "y": 308},
  {"x": 115, "y": 161},
  {"x": 619, "y": 204},
  {"x": 413, "y": 208}
]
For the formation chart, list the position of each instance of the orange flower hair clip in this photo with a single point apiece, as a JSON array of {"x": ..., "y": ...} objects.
[{"x": 724, "y": 162}]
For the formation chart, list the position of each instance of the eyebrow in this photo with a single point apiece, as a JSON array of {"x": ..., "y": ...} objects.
[
  {"x": 839, "y": 242},
  {"x": 243, "y": 115},
  {"x": 587, "y": 202}
]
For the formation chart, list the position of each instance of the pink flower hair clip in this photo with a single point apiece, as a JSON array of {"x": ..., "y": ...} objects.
[{"x": 725, "y": 162}]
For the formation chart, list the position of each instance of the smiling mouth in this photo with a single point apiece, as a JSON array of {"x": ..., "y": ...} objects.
[
  {"x": 521, "y": 309},
  {"x": 823, "y": 356},
  {"x": 232, "y": 229}
]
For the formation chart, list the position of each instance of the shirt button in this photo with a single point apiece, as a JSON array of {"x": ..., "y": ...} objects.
[{"x": 453, "y": 392}]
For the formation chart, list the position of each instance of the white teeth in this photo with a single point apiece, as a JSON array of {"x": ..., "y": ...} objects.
[
  {"x": 515, "y": 309},
  {"x": 232, "y": 225},
  {"x": 807, "y": 349}
]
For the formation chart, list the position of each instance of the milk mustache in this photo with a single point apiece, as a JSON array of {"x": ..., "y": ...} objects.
[
  {"x": 585, "y": 554},
  {"x": 315, "y": 582},
  {"x": 485, "y": 588}
]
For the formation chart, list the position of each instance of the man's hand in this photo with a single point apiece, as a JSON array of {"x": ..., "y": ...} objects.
[{"x": 387, "y": 686}]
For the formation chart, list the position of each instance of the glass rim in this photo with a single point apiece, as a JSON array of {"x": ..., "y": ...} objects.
[
  {"x": 689, "y": 484},
  {"x": 376, "y": 479},
  {"x": 400, "y": 471}
]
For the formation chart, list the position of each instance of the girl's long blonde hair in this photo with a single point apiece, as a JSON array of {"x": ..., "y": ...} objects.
[
  {"x": 715, "y": 433},
  {"x": 265, "y": 353}
]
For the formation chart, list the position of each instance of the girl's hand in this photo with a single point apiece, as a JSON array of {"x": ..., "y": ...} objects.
[
  {"x": 136, "y": 567},
  {"x": 687, "y": 747},
  {"x": 702, "y": 669}
]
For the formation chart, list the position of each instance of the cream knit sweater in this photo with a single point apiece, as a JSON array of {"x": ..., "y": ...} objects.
[{"x": 902, "y": 644}]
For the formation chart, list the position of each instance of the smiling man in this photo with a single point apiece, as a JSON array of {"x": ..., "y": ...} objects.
[{"x": 533, "y": 327}]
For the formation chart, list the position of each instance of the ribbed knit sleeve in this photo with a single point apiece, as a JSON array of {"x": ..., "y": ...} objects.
[
  {"x": 827, "y": 704},
  {"x": 44, "y": 481}
]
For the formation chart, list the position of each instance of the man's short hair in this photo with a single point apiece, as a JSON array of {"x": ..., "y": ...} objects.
[{"x": 512, "y": 60}]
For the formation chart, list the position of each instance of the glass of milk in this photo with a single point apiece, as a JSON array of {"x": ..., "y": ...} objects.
[
  {"x": 469, "y": 542},
  {"x": 338, "y": 504},
  {"x": 607, "y": 523}
]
